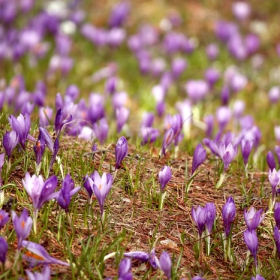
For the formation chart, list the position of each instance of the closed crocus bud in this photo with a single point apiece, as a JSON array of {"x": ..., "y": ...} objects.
[
  {"x": 122, "y": 115},
  {"x": 228, "y": 214},
  {"x": 164, "y": 177},
  {"x": 277, "y": 214},
  {"x": 246, "y": 148},
  {"x": 241, "y": 10},
  {"x": 225, "y": 95},
  {"x": 238, "y": 108},
  {"x": 39, "y": 150},
  {"x": 199, "y": 157},
  {"x": 251, "y": 240},
  {"x": 274, "y": 179},
  {"x": 4, "y": 218},
  {"x": 124, "y": 269},
  {"x": 277, "y": 240},
  {"x": 120, "y": 151},
  {"x": 72, "y": 91},
  {"x": 165, "y": 264},
  {"x": 270, "y": 160},
  {"x": 10, "y": 140},
  {"x": 253, "y": 218},
  {"x": 211, "y": 75},
  {"x": 3, "y": 249},
  {"x": 45, "y": 115},
  {"x": 211, "y": 216},
  {"x": 196, "y": 89},
  {"x": 147, "y": 119},
  {"x": 252, "y": 43},
  {"x": 138, "y": 255},
  {"x": 119, "y": 14},
  {"x": 199, "y": 216},
  {"x": 178, "y": 66},
  {"x": 223, "y": 115},
  {"x": 277, "y": 151}
]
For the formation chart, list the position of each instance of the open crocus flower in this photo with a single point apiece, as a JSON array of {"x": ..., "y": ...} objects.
[
  {"x": 101, "y": 187},
  {"x": 274, "y": 179},
  {"x": 227, "y": 153},
  {"x": 22, "y": 225},
  {"x": 36, "y": 254},
  {"x": 21, "y": 125},
  {"x": 253, "y": 218},
  {"x": 44, "y": 275}
]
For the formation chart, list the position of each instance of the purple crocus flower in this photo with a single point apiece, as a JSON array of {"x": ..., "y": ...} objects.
[
  {"x": 3, "y": 249},
  {"x": 277, "y": 214},
  {"x": 45, "y": 136},
  {"x": 225, "y": 95},
  {"x": 100, "y": 130},
  {"x": 10, "y": 140},
  {"x": 274, "y": 179},
  {"x": 45, "y": 274},
  {"x": 165, "y": 264},
  {"x": 22, "y": 225},
  {"x": 40, "y": 191},
  {"x": 122, "y": 115},
  {"x": 199, "y": 216},
  {"x": 274, "y": 94},
  {"x": 55, "y": 151},
  {"x": 251, "y": 240},
  {"x": 198, "y": 278},
  {"x": 228, "y": 214},
  {"x": 101, "y": 187},
  {"x": 258, "y": 277},
  {"x": 196, "y": 89},
  {"x": 120, "y": 151},
  {"x": 223, "y": 115},
  {"x": 60, "y": 121},
  {"x": 178, "y": 66},
  {"x": 167, "y": 140},
  {"x": 211, "y": 215},
  {"x": 36, "y": 254},
  {"x": 138, "y": 255},
  {"x": 4, "y": 218},
  {"x": 148, "y": 135},
  {"x": 227, "y": 153},
  {"x": 212, "y": 51},
  {"x": 253, "y": 218},
  {"x": 209, "y": 121},
  {"x": 164, "y": 176},
  {"x": 2, "y": 160},
  {"x": 246, "y": 148},
  {"x": 238, "y": 109},
  {"x": 241, "y": 10},
  {"x": 119, "y": 14},
  {"x": 39, "y": 150},
  {"x": 270, "y": 161},
  {"x": 199, "y": 157},
  {"x": 148, "y": 119},
  {"x": 277, "y": 240},
  {"x": 67, "y": 191},
  {"x": 21, "y": 125},
  {"x": 124, "y": 269},
  {"x": 212, "y": 75},
  {"x": 45, "y": 115}
]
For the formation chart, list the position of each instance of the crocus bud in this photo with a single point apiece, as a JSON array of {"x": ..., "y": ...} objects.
[
  {"x": 178, "y": 66},
  {"x": 211, "y": 215},
  {"x": 277, "y": 240},
  {"x": 225, "y": 95},
  {"x": 246, "y": 148},
  {"x": 251, "y": 240},
  {"x": 211, "y": 76},
  {"x": 164, "y": 177},
  {"x": 196, "y": 89},
  {"x": 212, "y": 51},
  {"x": 209, "y": 121},
  {"x": 270, "y": 160},
  {"x": 277, "y": 214},
  {"x": 4, "y": 218},
  {"x": 253, "y": 218},
  {"x": 10, "y": 140},
  {"x": 124, "y": 269},
  {"x": 165, "y": 264},
  {"x": 138, "y": 255},
  {"x": 223, "y": 115},
  {"x": 199, "y": 157},
  {"x": 228, "y": 214},
  {"x": 199, "y": 216},
  {"x": 122, "y": 115},
  {"x": 3, "y": 249},
  {"x": 167, "y": 140},
  {"x": 121, "y": 151},
  {"x": 241, "y": 10}
]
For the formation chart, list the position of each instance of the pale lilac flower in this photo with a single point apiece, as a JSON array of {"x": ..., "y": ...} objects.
[
  {"x": 178, "y": 66},
  {"x": 101, "y": 187},
  {"x": 164, "y": 175},
  {"x": 198, "y": 278},
  {"x": 241, "y": 10},
  {"x": 138, "y": 255},
  {"x": 274, "y": 179},
  {"x": 225, "y": 30},
  {"x": 147, "y": 119},
  {"x": 251, "y": 240},
  {"x": 22, "y": 225},
  {"x": 122, "y": 115},
  {"x": 199, "y": 157},
  {"x": 209, "y": 121},
  {"x": 228, "y": 214},
  {"x": 253, "y": 218},
  {"x": 274, "y": 94},
  {"x": 100, "y": 130},
  {"x": 196, "y": 89},
  {"x": 124, "y": 269},
  {"x": 199, "y": 216},
  {"x": 40, "y": 191},
  {"x": 36, "y": 254},
  {"x": 119, "y": 99},
  {"x": 211, "y": 75},
  {"x": 238, "y": 108},
  {"x": 223, "y": 115},
  {"x": 227, "y": 153},
  {"x": 45, "y": 274},
  {"x": 277, "y": 133},
  {"x": 212, "y": 51}
]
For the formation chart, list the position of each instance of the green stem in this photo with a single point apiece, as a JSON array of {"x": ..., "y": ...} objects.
[
  {"x": 35, "y": 221},
  {"x": 161, "y": 199}
]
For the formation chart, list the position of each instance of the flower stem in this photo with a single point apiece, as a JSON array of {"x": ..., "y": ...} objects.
[
  {"x": 35, "y": 221},
  {"x": 161, "y": 199}
]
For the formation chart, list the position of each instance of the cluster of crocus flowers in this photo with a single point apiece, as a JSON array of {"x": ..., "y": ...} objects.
[{"x": 164, "y": 176}]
